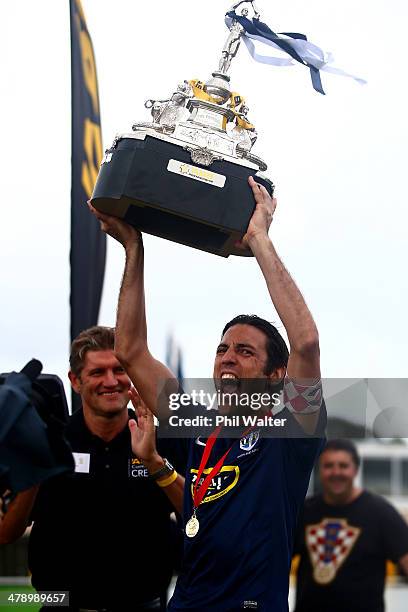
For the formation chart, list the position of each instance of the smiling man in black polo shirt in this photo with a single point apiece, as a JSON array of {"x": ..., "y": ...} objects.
[{"x": 88, "y": 524}]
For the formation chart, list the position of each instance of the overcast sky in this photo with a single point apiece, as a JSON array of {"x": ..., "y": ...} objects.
[{"x": 338, "y": 161}]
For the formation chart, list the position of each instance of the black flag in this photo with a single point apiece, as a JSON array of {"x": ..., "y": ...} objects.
[{"x": 88, "y": 243}]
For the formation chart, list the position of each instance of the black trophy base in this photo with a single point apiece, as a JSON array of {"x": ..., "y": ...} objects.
[{"x": 153, "y": 185}]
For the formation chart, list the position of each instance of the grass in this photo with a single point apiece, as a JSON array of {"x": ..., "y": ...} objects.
[{"x": 6, "y": 606}]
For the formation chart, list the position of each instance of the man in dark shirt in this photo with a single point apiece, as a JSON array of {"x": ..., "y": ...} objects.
[
  {"x": 88, "y": 525},
  {"x": 344, "y": 539},
  {"x": 239, "y": 528}
]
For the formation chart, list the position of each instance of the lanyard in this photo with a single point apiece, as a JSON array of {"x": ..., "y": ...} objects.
[
  {"x": 193, "y": 525},
  {"x": 200, "y": 491}
]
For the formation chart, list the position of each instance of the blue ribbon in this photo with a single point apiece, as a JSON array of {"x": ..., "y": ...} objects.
[{"x": 258, "y": 28}]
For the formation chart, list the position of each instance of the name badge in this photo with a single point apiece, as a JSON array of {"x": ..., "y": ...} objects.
[{"x": 82, "y": 461}]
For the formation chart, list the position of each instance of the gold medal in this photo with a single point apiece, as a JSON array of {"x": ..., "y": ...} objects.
[
  {"x": 323, "y": 574},
  {"x": 192, "y": 527}
]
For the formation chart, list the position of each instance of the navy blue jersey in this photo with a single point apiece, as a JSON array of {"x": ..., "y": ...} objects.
[{"x": 240, "y": 558}]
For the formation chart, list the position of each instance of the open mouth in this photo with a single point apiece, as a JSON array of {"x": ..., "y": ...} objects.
[
  {"x": 229, "y": 382},
  {"x": 228, "y": 376}
]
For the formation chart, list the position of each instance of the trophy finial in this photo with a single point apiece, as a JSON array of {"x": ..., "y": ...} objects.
[
  {"x": 218, "y": 86},
  {"x": 236, "y": 30},
  {"x": 245, "y": 10}
]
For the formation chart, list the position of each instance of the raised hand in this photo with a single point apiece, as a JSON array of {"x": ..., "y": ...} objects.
[
  {"x": 118, "y": 229},
  {"x": 142, "y": 431},
  {"x": 262, "y": 216}
]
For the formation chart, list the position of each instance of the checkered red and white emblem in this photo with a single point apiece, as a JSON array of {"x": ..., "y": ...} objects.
[
  {"x": 304, "y": 399},
  {"x": 329, "y": 543}
]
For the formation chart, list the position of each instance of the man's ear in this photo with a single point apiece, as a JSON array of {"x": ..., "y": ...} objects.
[
  {"x": 277, "y": 374},
  {"x": 275, "y": 380},
  {"x": 75, "y": 381}
]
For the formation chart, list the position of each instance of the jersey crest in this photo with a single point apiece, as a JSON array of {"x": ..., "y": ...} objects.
[
  {"x": 329, "y": 544},
  {"x": 248, "y": 442}
]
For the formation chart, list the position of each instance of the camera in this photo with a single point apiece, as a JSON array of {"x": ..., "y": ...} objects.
[
  {"x": 33, "y": 415},
  {"x": 47, "y": 396}
]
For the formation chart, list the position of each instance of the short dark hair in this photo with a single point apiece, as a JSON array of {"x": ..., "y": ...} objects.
[
  {"x": 95, "y": 338},
  {"x": 277, "y": 351},
  {"x": 346, "y": 446}
]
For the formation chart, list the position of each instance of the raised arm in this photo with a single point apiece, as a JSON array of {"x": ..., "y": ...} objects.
[
  {"x": 147, "y": 373},
  {"x": 304, "y": 358}
]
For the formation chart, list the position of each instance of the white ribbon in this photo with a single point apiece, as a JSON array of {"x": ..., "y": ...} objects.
[{"x": 310, "y": 53}]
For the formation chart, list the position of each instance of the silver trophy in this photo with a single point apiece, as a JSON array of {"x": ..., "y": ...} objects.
[
  {"x": 211, "y": 121},
  {"x": 183, "y": 175}
]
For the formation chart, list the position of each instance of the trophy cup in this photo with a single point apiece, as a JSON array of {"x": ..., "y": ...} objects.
[{"x": 184, "y": 175}]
